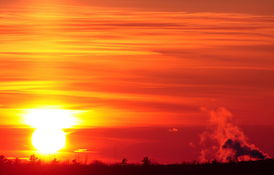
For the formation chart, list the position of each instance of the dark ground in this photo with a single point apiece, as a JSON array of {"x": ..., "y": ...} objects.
[{"x": 98, "y": 168}]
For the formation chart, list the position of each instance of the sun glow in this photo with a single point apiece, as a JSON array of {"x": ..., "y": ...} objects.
[
  {"x": 49, "y": 136},
  {"x": 50, "y": 118}
]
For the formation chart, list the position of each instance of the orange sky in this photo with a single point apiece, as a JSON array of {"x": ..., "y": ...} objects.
[{"x": 132, "y": 65}]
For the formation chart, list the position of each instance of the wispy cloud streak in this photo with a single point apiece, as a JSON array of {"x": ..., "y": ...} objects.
[{"x": 136, "y": 63}]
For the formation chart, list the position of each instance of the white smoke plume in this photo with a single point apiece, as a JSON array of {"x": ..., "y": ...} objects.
[{"x": 225, "y": 142}]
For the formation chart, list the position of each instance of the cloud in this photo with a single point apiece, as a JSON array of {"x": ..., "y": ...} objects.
[
  {"x": 173, "y": 130},
  {"x": 150, "y": 63},
  {"x": 81, "y": 150},
  {"x": 239, "y": 6}
]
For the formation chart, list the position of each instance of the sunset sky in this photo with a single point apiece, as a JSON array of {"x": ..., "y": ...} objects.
[{"x": 141, "y": 76}]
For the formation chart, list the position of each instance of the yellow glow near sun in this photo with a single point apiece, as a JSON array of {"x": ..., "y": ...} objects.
[
  {"x": 49, "y": 137},
  {"x": 50, "y": 118}
]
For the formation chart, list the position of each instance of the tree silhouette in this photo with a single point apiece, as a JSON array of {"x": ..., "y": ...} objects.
[
  {"x": 3, "y": 159},
  {"x": 54, "y": 161},
  {"x": 124, "y": 161},
  {"x": 33, "y": 158},
  {"x": 74, "y": 162},
  {"x": 17, "y": 161},
  {"x": 146, "y": 161}
]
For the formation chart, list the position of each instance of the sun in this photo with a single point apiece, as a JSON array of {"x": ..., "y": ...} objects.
[
  {"x": 49, "y": 141},
  {"x": 49, "y": 136}
]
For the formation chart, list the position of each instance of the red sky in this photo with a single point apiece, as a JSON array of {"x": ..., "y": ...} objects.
[{"x": 137, "y": 69}]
